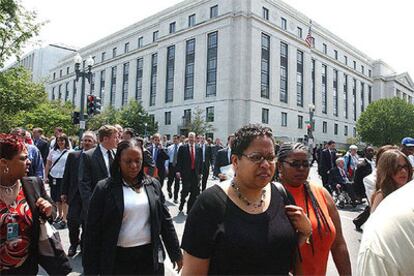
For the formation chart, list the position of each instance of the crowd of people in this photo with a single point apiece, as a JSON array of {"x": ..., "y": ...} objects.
[{"x": 263, "y": 216}]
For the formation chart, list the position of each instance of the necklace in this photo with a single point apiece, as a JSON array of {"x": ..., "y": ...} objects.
[
  {"x": 8, "y": 194},
  {"x": 136, "y": 188},
  {"x": 257, "y": 204}
]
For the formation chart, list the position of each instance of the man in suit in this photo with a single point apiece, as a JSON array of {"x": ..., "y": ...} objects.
[
  {"x": 338, "y": 180},
  {"x": 159, "y": 155},
  {"x": 328, "y": 157},
  {"x": 41, "y": 144},
  {"x": 214, "y": 150},
  {"x": 189, "y": 164},
  {"x": 95, "y": 163},
  {"x": 172, "y": 168},
  {"x": 70, "y": 191},
  {"x": 206, "y": 151},
  {"x": 223, "y": 159}
]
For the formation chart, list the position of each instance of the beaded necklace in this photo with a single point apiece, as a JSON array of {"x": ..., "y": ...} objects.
[{"x": 257, "y": 204}]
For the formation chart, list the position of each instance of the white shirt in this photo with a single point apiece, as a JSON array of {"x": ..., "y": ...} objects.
[
  {"x": 106, "y": 157},
  {"x": 369, "y": 184},
  {"x": 57, "y": 170},
  {"x": 387, "y": 245},
  {"x": 136, "y": 225}
]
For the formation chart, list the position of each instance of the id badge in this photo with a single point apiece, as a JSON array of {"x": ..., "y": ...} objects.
[{"x": 12, "y": 231}]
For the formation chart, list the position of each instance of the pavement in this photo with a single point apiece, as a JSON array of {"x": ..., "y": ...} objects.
[{"x": 352, "y": 237}]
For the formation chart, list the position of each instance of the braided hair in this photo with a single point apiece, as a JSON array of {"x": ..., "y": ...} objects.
[{"x": 285, "y": 150}]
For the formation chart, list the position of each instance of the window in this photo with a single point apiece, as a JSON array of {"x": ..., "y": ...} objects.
[
  {"x": 74, "y": 91},
  {"x": 283, "y": 23},
  {"x": 102, "y": 86},
  {"x": 187, "y": 117},
  {"x": 336, "y": 54},
  {"x": 300, "y": 121},
  {"x": 154, "y": 36},
  {"x": 363, "y": 69},
  {"x": 335, "y": 129},
  {"x": 354, "y": 65},
  {"x": 114, "y": 52},
  {"x": 299, "y": 78},
  {"x": 313, "y": 83},
  {"x": 172, "y": 27},
  {"x": 167, "y": 118},
  {"x": 345, "y": 96},
  {"x": 138, "y": 87},
  {"x": 265, "y": 66},
  {"x": 284, "y": 119},
  {"x": 125, "y": 82},
  {"x": 140, "y": 42},
  {"x": 324, "y": 90},
  {"x": 325, "y": 49},
  {"x": 66, "y": 91},
  {"x": 53, "y": 93},
  {"x": 67, "y": 70},
  {"x": 113, "y": 87},
  {"x": 345, "y": 130},
  {"x": 369, "y": 73},
  {"x": 169, "y": 86},
  {"x": 126, "y": 47},
  {"x": 362, "y": 97},
  {"x": 354, "y": 132},
  {"x": 60, "y": 92},
  {"x": 346, "y": 60},
  {"x": 54, "y": 75},
  {"x": 265, "y": 13},
  {"x": 151, "y": 118},
  {"x": 354, "y": 109},
  {"x": 153, "y": 86},
  {"x": 299, "y": 32},
  {"x": 335, "y": 92},
  {"x": 283, "y": 72},
  {"x": 189, "y": 69},
  {"x": 191, "y": 20},
  {"x": 210, "y": 114},
  {"x": 265, "y": 115},
  {"x": 211, "y": 64},
  {"x": 214, "y": 11},
  {"x": 103, "y": 56},
  {"x": 324, "y": 127},
  {"x": 60, "y": 73},
  {"x": 370, "y": 94}
]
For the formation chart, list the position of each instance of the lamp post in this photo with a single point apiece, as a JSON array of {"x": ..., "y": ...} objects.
[{"x": 85, "y": 72}]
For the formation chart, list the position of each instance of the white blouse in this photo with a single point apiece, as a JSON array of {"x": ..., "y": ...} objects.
[{"x": 58, "y": 170}]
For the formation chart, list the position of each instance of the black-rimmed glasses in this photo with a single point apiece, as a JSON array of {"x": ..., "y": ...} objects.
[{"x": 257, "y": 158}]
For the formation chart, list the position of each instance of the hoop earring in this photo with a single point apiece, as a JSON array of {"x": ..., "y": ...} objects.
[{"x": 6, "y": 170}]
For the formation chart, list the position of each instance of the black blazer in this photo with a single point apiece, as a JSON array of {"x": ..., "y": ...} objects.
[
  {"x": 222, "y": 160},
  {"x": 335, "y": 177},
  {"x": 184, "y": 161},
  {"x": 105, "y": 219},
  {"x": 161, "y": 158},
  {"x": 327, "y": 161},
  {"x": 70, "y": 185},
  {"x": 43, "y": 147},
  {"x": 92, "y": 169}
]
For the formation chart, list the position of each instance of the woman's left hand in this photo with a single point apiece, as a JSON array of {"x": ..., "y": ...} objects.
[
  {"x": 44, "y": 206},
  {"x": 299, "y": 220},
  {"x": 179, "y": 265}
]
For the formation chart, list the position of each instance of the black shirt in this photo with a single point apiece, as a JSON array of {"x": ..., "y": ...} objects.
[{"x": 238, "y": 242}]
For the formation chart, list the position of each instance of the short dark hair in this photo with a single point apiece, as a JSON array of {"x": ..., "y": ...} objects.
[
  {"x": 246, "y": 134},
  {"x": 330, "y": 142},
  {"x": 116, "y": 168},
  {"x": 129, "y": 131}
]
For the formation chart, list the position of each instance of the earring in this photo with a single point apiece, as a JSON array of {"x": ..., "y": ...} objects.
[{"x": 6, "y": 170}]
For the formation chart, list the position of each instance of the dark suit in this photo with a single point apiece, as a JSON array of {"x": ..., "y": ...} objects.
[
  {"x": 43, "y": 147},
  {"x": 214, "y": 151},
  {"x": 92, "y": 168},
  {"x": 190, "y": 177},
  {"x": 105, "y": 220},
  {"x": 363, "y": 169},
  {"x": 206, "y": 165},
  {"x": 161, "y": 157},
  {"x": 335, "y": 177},
  {"x": 222, "y": 160},
  {"x": 70, "y": 188},
  {"x": 326, "y": 163}
]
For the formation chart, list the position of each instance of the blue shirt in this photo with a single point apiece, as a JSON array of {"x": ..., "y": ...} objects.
[{"x": 37, "y": 167}]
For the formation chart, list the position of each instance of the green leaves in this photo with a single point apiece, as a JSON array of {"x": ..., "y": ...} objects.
[
  {"x": 199, "y": 124},
  {"x": 386, "y": 121}
]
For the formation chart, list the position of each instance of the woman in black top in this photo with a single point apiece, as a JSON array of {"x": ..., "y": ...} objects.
[
  {"x": 127, "y": 218},
  {"x": 241, "y": 226}
]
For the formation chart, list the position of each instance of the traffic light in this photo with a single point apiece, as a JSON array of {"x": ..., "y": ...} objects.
[
  {"x": 90, "y": 106},
  {"x": 97, "y": 105},
  {"x": 75, "y": 117}
]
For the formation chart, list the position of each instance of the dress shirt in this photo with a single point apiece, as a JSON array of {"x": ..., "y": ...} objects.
[{"x": 171, "y": 152}]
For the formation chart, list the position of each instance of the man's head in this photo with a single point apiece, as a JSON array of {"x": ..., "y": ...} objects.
[
  {"x": 407, "y": 146},
  {"x": 209, "y": 141},
  {"x": 340, "y": 162},
  {"x": 58, "y": 131},
  {"x": 108, "y": 137},
  {"x": 88, "y": 140},
  {"x": 191, "y": 138},
  {"x": 230, "y": 140},
  {"x": 120, "y": 130},
  {"x": 156, "y": 139},
  {"x": 128, "y": 134},
  {"x": 369, "y": 152},
  {"x": 18, "y": 131},
  {"x": 176, "y": 139},
  {"x": 217, "y": 142},
  {"x": 353, "y": 149},
  {"x": 331, "y": 145},
  {"x": 37, "y": 133},
  {"x": 200, "y": 139}
]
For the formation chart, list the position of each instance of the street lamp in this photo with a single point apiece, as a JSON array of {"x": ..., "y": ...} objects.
[{"x": 85, "y": 72}]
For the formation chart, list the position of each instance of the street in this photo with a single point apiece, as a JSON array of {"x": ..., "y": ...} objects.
[{"x": 352, "y": 237}]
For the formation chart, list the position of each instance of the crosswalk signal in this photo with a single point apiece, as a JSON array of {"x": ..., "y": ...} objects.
[
  {"x": 90, "y": 106},
  {"x": 75, "y": 117},
  {"x": 97, "y": 105}
]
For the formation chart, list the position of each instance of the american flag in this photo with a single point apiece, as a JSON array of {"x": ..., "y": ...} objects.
[{"x": 309, "y": 38}]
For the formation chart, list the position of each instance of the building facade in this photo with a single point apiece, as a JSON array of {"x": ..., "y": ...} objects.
[{"x": 239, "y": 61}]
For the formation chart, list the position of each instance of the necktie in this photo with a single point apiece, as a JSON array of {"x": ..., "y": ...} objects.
[
  {"x": 111, "y": 159},
  {"x": 175, "y": 155},
  {"x": 155, "y": 154},
  {"x": 192, "y": 157}
]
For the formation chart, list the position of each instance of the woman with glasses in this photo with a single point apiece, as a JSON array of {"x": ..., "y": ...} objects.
[
  {"x": 241, "y": 226},
  {"x": 394, "y": 170},
  {"x": 127, "y": 218},
  {"x": 293, "y": 165}
]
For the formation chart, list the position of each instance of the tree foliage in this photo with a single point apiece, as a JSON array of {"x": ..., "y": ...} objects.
[
  {"x": 199, "y": 124},
  {"x": 386, "y": 121}
]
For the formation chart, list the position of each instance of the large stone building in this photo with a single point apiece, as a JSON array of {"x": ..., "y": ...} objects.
[
  {"x": 239, "y": 61},
  {"x": 41, "y": 60}
]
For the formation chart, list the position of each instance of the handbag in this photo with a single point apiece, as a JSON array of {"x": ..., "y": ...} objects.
[{"x": 51, "y": 255}]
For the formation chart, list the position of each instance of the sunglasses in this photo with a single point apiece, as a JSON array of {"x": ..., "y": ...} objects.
[{"x": 297, "y": 164}]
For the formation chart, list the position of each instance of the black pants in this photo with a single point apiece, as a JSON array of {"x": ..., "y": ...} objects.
[
  {"x": 136, "y": 261},
  {"x": 206, "y": 172},
  {"x": 363, "y": 217},
  {"x": 75, "y": 220},
  {"x": 325, "y": 178},
  {"x": 173, "y": 178},
  {"x": 161, "y": 176},
  {"x": 191, "y": 186}
]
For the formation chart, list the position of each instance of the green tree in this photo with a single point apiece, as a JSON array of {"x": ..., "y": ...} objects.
[
  {"x": 17, "y": 27},
  {"x": 199, "y": 124},
  {"x": 134, "y": 116},
  {"x": 109, "y": 116},
  {"x": 386, "y": 121}
]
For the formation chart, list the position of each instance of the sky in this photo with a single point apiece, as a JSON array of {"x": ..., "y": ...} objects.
[{"x": 381, "y": 29}]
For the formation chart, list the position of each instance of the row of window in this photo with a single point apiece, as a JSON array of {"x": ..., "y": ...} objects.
[
  {"x": 299, "y": 34},
  {"x": 284, "y": 122},
  {"x": 187, "y": 116}
]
